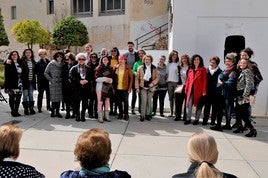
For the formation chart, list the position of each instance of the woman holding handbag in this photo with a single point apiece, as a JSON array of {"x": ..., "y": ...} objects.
[{"x": 104, "y": 88}]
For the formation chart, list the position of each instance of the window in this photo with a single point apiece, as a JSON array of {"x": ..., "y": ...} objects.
[
  {"x": 13, "y": 12},
  {"x": 50, "y": 6},
  {"x": 82, "y": 7},
  {"x": 112, "y": 7}
]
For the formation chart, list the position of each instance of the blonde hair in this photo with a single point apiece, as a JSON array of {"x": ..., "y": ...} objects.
[
  {"x": 40, "y": 51},
  {"x": 10, "y": 136},
  {"x": 202, "y": 150},
  {"x": 93, "y": 148}
]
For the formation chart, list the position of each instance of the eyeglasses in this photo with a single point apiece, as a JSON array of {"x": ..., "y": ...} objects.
[{"x": 83, "y": 59}]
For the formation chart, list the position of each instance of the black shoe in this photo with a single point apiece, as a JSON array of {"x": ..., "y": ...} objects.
[
  {"x": 133, "y": 112},
  {"x": 177, "y": 119},
  {"x": 212, "y": 123},
  {"x": 67, "y": 116},
  {"x": 77, "y": 119},
  {"x": 73, "y": 115},
  {"x": 58, "y": 115},
  {"x": 239, "y": 129},
  {"x": 32, "y": 111},
  {"x": 162, "y": 115},
  {"x": 235, "y": 125},
  {"x": 126, "y": 117},
  {"x": 216, "y": 128},
  {"x": 148, "y": 118},
  {"x": 195, "y": 122},
  {"x": 39, "y": 110},
  {"x": 82, "y": 119},
  {"x": 252, "y": 133},
  {"x": 52, "y": 114},
  {"x": 153, "y": 113},
  {"x": 204, "y": 123},
  {"x": 141, "y": 118},
  {"x": 187, "y": 122},
  {"x": 227, "y": 127},
  {"x": 17, "y": 114},
  {"x": 120, "y": 116}
]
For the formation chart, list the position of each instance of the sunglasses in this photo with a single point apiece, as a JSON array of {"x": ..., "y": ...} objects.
[
  {"x": 60, "y": 56},
  {"x": 113, "y": 51},
  {"x": 81, "y": 59}
]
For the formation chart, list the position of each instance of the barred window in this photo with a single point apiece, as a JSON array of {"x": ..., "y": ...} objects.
[
  {"x": 50, "y": 7},
  {"x": 82, "y": 7},
  {"x": 112, "y": 7}
]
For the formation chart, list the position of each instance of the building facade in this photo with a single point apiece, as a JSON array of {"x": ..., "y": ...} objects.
[
  {"x": 202, "y": 27},
  {"x": 109, "y": 22}
]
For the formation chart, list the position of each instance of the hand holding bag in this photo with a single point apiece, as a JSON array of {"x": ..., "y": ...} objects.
[{"x": 179, "y": 89}]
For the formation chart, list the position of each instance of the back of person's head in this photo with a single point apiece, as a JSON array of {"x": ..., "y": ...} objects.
[
  {"x": 10, "y": 136},
  {"x": 202, "y": 150},
  {"x": 93, "y": 149}
]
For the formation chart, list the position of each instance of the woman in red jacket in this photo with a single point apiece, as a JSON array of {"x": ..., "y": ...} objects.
[{"x": 196, "y": 88}]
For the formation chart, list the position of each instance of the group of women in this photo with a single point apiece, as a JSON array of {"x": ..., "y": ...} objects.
[{"x": 103, "y": 84}]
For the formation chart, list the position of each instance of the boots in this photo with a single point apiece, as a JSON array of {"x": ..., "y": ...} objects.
[
  {"x": 107, "y": 116},
  {"x": 53, "y": 110},
  {"x": 31, "y": 105},
  {"x": 12, "y": 107},
  {"x": 16, "y": 108},
  {"x": 82, "y": 118},
  {"x": 100, "y": 116},
  {"x": 26, "y": 107},
  {"x": 252, "y": 133},
  {"x": 58, "y": 110}
]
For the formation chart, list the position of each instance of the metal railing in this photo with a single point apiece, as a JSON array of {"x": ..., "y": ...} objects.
[{"x": 155, "y": 32}]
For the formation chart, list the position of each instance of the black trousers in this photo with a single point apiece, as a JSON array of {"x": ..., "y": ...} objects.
[
  {"x": 159, "y": 94},
  {"x": 41, "y": 91}
]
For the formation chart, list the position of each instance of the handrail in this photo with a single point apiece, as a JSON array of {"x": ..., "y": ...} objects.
[{"x": 159, "y": 31}]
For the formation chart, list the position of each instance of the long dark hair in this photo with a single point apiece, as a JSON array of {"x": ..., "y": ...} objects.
[
  {"x": 200, "y": 58},
  {"x": 11, "y": 53},
  {"x": 24, "y": 56},
  {"x": 171, "y": 54}
]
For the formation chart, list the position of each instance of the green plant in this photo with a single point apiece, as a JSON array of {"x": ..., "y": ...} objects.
[
  {"x": 70, "y": 32},
  {"x": 30, "y": 32},
  {"x": 1, "y": 75}
]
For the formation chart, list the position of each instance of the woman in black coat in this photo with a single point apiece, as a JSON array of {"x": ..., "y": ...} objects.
[
  {"x": 67, "y": 88},
  {"x": 81, "y": 78},
  {"x": 12, "y": 84},
  {"x": 42, "y": 82}
]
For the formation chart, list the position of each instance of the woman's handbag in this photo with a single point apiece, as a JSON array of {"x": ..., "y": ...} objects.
[{"x": 179, "y": 89}]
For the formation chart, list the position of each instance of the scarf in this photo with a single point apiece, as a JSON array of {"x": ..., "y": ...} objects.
[
  {"x": 148, "y": 73},
  {"x": 97, "y": 171},
  {"x": 212, "y": 71}
]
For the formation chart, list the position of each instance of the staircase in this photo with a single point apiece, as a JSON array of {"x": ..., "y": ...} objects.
[{"x": 155, "y": 39}]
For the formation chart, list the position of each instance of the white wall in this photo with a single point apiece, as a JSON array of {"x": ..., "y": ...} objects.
[{"x": 202, "y": 26}]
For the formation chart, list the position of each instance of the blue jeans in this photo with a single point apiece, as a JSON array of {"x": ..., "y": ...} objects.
[{"x": 27, "y": 94}]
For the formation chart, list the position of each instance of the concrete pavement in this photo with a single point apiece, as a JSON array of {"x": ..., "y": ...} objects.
[{"x": 152, "y": 149}]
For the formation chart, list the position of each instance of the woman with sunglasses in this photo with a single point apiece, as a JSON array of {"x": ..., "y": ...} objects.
[
  {"x": 53, "y": 73},
  {"x": 93, "y": 63},
  {"x": 81, "y": 78},
  {"x": 114, "y": 56}
]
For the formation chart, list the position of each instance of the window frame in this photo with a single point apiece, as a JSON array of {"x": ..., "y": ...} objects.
[
  {"x": 113, "y": 11},
  {"x": 13, "y": 12},
  {"x": 50, "y": 7},
  {"x": 84, "y": 12}
]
